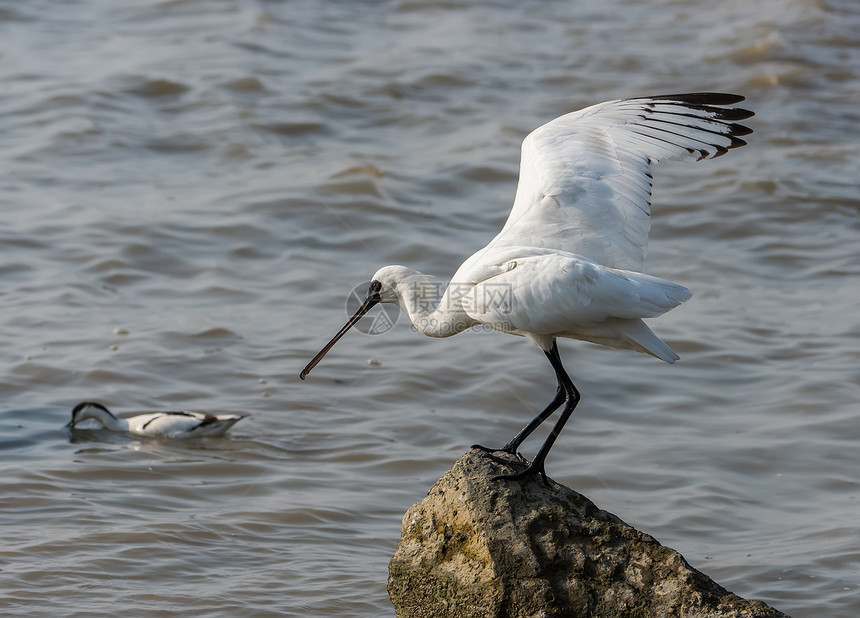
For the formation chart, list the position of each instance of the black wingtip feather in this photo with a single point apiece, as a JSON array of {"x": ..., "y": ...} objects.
[
  {"x": 721, "y": 150},
  {"x": 702, "y": 98},
  {"x": 733, "y": 113},
  {"x": 739, "y": 129},
  {"x": 705, "y": 101}
]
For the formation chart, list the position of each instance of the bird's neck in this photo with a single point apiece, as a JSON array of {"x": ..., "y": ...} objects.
[{"x": 433, "y": 306}]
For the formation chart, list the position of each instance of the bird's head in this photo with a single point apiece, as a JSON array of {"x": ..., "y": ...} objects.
[
  {"x": 384, "y": 288},
  {"x": 87, "y": 409},
  {"x": 390, "y": 284}
]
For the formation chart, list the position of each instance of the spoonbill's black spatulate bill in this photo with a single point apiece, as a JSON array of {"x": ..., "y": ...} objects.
[{"x": 568, "y": 261}]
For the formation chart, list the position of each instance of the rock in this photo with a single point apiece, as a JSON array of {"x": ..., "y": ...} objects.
[{"x": 494, "y": 548}]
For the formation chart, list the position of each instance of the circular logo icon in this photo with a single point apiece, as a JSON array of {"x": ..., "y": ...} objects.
[{"x": 378, "y": 320}]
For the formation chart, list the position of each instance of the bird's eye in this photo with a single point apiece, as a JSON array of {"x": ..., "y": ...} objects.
[{"x": 375, "y": 286}]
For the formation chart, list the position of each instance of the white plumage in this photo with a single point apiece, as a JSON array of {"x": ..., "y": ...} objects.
[
  {"x": 181, "y": 424},
  {"x": 567, "y": 262}
]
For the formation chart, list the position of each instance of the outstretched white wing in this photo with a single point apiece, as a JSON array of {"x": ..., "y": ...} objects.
[{"x": 585, "y": 181}]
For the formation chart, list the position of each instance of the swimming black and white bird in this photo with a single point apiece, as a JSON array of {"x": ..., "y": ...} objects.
[{"x": 182, "y": 424}]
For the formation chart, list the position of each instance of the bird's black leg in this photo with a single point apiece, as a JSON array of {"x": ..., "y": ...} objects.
[
  {"x": 525, "y": 432},
  {"x": 572, "y": 398},
  {"x": 512, "y": 446},
  {"x": 561, "y": 394}
]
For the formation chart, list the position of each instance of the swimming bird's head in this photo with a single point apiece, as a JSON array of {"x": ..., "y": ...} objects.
[
  {"x": 88, "y": 409},
  {"x": 383, "y": 289}
]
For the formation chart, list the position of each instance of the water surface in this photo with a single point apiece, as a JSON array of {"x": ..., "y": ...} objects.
[{"x": 191, "y": 189}]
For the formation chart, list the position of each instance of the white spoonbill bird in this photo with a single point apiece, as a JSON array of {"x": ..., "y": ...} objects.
[
  {"x": 568, "y": 261},
  {"x": 160, "y": 424}
]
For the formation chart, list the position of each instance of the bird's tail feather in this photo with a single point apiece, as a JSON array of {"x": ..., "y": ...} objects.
[{"x": 643, "y": 339}]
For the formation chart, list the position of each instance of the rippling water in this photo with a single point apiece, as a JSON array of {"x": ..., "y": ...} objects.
[{"x": 190, "y": 190}]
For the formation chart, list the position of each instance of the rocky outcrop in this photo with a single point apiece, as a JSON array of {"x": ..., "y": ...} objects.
[{"x": 478, "y": 547}]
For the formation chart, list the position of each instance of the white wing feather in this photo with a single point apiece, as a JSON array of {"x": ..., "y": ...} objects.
[
  {"x": 574, "y": 293},
  {"x": 158, "y": 423},
  {"x": 585, "y": 182}
]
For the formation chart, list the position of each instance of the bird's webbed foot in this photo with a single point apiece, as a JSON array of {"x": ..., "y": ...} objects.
[
  {"x": 507, "y": 448},
  {"x": 510, "y": 450},
  {"x": 530, "y": 470}
]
